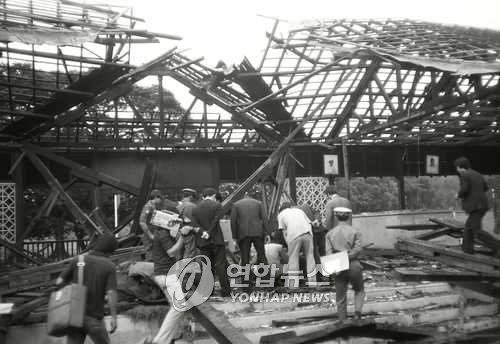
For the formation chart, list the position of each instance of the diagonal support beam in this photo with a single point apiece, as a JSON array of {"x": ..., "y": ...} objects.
[
  {"x": 271, "y": 161},
  {"x": 120, "y": 87},
  {"x": 54, "y": 184},
  {"x": 83, "y": 172},
  {"x": 355, "y": 98},
  {"x": 139, "y": 116},
  {"x": 293, "y": 84}
]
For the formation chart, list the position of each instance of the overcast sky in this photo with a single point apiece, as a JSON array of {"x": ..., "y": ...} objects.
[{"x": 231, "y": 29}]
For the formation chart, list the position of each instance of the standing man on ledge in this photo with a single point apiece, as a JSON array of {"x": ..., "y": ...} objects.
[{"x": 472, "y": 192}]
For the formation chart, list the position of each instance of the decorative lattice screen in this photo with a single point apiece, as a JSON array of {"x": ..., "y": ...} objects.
[
  {"x": 311, "y": 191},
  {"x": 8, "y": 211}
]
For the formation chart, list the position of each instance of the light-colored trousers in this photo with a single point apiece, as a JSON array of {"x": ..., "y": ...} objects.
[
  {"x": 305, "y": 243},
  {"x": 171, "y": 328}
]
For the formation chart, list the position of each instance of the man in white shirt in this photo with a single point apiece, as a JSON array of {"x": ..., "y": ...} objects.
[{"x": 297, "y": 232}]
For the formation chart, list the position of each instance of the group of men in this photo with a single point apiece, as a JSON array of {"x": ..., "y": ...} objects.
[{"x": 201, "y": 234}]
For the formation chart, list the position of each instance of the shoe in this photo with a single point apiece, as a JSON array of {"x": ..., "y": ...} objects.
[{"x": 147, "y": 340}]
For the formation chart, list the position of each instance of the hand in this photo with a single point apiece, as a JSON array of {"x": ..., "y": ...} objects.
[
  {"x": 186, "y": 230},
  {"x": 112, "y": 325},
  {"x": 59, "y": 281},
  {"x": 267, "y": 239},
  {"x": 205, "y": 235}
]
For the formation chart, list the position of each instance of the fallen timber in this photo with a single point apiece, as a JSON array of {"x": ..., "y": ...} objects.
[
  {"x": 434, "y": 303},
  {"x": 474, "y": 262},
  {"x": 41, "y": 276}
]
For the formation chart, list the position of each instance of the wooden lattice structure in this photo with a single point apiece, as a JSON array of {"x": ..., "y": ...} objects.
[
  {"x": 369, "y": 81},
  {"x": 8, "y": 212}
]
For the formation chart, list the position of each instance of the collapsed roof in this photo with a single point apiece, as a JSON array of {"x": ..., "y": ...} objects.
[{"x": 365, "y": 81}]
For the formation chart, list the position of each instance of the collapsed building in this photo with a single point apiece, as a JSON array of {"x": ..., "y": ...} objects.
[{"x": 378, "y": 97}]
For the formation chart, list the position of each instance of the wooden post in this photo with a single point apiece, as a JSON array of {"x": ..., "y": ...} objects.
[
  {"x": 402, "y": 193},
  {"x": 401, "y": 183},
  {"x": 160, "y": 100},
  {"x": 291, "y": 179},
  {"x": 18, "y": 178},
  {"x": 142, "y": 198},
  {"x": 345, "y": 158}
]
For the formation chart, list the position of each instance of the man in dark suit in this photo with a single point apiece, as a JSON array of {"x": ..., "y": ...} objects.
[
  {"x": 472, "y": 192},
  {"x": 209, "y": 238},
  {"x": 248, "y": 224}
]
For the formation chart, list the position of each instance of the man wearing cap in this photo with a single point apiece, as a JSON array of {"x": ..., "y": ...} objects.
[
  {"x": 209, "y": 238},
  {"x": 334, "y": 201},
  {"x": 99, "y": 276},
  {"x": 155, "y": 203},
  {"x": 344, "y": 237}
]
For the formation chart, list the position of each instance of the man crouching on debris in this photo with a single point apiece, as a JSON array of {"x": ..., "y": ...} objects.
[
  {"x": 344, "y": 237},
  {"x": 99, "y": 276}
]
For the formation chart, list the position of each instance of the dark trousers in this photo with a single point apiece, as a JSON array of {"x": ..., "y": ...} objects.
[
  {"x": 472, "y": 227},
  {"x": 245, "y": 246},
  {"x": 319, "y": 246},
  {"x": 92, "y": 327},
  {"x": 217, "y": 256},
  {"x": 354, "y": 276}
]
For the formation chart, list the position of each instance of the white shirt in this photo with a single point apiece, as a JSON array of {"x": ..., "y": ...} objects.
[{"x": 294, "y": 222}]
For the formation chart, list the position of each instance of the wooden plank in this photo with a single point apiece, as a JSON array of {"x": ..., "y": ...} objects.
[
  {"x": 415, "y": 226},
  {"x": 483, "y": 288},
  {"x": 407, "y": 275},
  {"x": 18, "y": 252},
  {"x": 434, "y": 234},
  {"x": 450, "y": 223},
  {"x": 474, "y": 262},
  {"x": 219, "y": 327},
  {"x": 255, "y": 321},
  {"x": 26, "y": 279},
  {"x": 363, "y": 328},
  {"x": 25, "y": 309}
]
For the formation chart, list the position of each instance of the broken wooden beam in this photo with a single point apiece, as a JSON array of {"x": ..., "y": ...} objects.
[
  {"x": 415, "y": 227},
  {"x": 437, "y": 233},
  {"x": 42, "y": 276},
  {"x": 19, "y": 252},
  {"x": 217, "y": 324},
  {"x": 82, "y": 171},
  {"x": 363, "y": 328},
  {"x": 411, "y": 275},
  {"x": 488, "y": 289},
  {"x": 473, "y": 262},
  {"x": 254, "y": 321}
]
